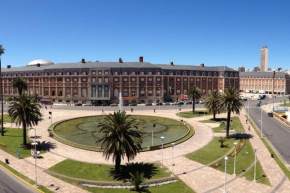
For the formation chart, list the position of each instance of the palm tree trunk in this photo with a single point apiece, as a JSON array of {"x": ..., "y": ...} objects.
[
  {"x": 228, "y": 123},
  {"x": 24, "y": 133},
  {"x": 214, "y": 113},
  {"x": 1, "y": 97},
  {"x": 117, "y": 163},
  {"x": 193, "y": 104}
]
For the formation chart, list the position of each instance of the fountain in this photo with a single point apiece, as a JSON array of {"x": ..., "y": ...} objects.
[{"x": 120, "y": 102}]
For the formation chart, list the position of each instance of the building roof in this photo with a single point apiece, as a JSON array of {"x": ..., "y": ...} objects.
[
  {"x": 114, "y": 65},
  {"x": 263, "y": 74},
  {"x": 41, "y": 62}
]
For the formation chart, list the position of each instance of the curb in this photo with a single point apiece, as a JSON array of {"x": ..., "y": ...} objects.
[{"x": 21, "y": 179}]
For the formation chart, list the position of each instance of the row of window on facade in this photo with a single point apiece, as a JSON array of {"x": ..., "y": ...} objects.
[
  {"x": 185, "y": 73},
  {"x": 261, "y": 87}
]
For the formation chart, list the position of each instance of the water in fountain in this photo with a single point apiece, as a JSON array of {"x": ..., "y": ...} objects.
[{"x": 120, "y": 102}]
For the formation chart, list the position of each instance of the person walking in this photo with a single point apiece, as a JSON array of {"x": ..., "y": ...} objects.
[
  {"x": 154, "y": 110},
  {"x": 132, "y": 110},
  {"x": 249, "y": 128},
  {"x": 246, "y": 121}
]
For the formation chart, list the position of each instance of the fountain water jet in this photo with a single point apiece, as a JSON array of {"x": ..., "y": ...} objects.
[{"x": 120, "y": 102}]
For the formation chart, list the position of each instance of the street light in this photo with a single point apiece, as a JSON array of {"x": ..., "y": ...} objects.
[
  {"x": 35, "y": 155},
  {"x": 273, "y": 87},
  {"x": 255, "y": 170},
  {"x": 235, "y": 144},
  {"x": 153, "y": 126},
  {"x": 173, "y": 145},
  {"x": 225, "y": 186},
  {"x": 162, "y": 138}
]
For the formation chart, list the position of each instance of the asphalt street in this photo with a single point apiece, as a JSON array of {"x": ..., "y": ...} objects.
[
  {"x": 10, "y": 184},
  {"x": 274, "y": 131}
]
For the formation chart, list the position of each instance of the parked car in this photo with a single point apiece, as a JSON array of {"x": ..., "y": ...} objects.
[
  {"x": 258, "y": 105},
  {"x": 105, "y": 104},
  {"x": 157, "y": 104},
  {"x": 181, "y": 103},
  {"x": 188, "y": 103},
  {"x": 270, "y": 114},
  {"x": 87, "y": 105},
  {"x": 148, "y": 104},
  {"x": 201, "y": 102},
  {"x": 97, "y": 104},
  {"x": 167, "y": 103},
  {"x": 175, "y": 103},
  {"x": 133, "y": 104},
  {"x": 114, "y": 105},
  {"x": 78, "y": 104},
  {"x": 125, "y": 104}
]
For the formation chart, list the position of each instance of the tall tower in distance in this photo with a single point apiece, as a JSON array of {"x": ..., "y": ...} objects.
[{"x": 264, "y": 59}]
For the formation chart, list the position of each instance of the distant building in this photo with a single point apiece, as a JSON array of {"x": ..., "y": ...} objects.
[
  {"x": 256, "y": 69},
  {"x": 241, "y": 69},
  {"x": 264, "y": 59},
  {"x": 264, "y": 82},
  {"x": 269, "y": 69},
  {"x": 279, "y": 69}
]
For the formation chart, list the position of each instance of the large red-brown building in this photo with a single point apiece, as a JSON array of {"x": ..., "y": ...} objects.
[{"x": 87, "y": 82}]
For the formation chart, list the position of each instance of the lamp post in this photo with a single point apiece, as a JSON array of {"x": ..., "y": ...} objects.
[
  {"x": 1, "y": 88},
  {"x": 261, "y": 121},
  {"x": 273, "y": 87},
  {"x": 153, "y": 126},
  {"x": 162, "y": 138},
  {"x": 225, "y": 184},
  {"x": 173, "y": 145},
  {"x": 35, "y": 155},
  {"x": 235, "y": 144},
  {"x": 255, "y": 169}
]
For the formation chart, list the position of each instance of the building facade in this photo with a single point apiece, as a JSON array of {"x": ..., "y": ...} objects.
[
  {"x": 99, "y": 82},
  {"x": 265, "y": 82},
  {"x": 264, "y": 59}
]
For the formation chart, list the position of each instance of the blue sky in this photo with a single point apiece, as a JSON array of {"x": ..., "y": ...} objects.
[{"x": 214, "y": 32}]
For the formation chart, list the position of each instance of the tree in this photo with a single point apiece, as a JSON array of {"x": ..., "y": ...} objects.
[
  {"x": 24, "y": 111},
  {"x": 231, "y": 103},
  {"x": 211, "y": 103},
  {"x": 120, "y": 137},
  {"x": 2, "y": 50},
  {"x": 195, "y": 93},
  {"x": 20, "y": 85}
]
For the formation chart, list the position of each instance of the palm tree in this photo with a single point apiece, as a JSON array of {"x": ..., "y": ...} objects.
[
  {"x": 120, "y": 137},
  {"x": 195, "y": 93},
  {"x": 2, "y": 50},
  {"x": 20, "y": 85},
  {"x": 24, "y": 111},
  {"x": 231, "y": 103},
  {"x": 211, "y": 103}
]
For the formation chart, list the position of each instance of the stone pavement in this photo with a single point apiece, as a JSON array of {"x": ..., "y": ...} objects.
[{"x": 197, "y": 176}]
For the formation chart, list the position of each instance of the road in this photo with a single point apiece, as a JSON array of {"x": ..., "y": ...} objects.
[
  {"x": 274, "y": 131},
  {"x": 10, "y": 184}
]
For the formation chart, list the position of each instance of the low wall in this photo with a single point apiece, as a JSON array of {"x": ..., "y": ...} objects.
[{"x": 281, "y": 119}]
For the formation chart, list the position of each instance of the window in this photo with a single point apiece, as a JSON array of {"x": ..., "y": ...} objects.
[
  {"x": 75, "y": 92},
  {"x": 52, "y": 80},
  {"x": 197, "y": 79},
  {"x": 60, "y": 92},
  {"x": 133, "y": 79},
  {"x": 133, "y": 92},
  {"x": 100, "y": 80},
  {"x": 185, "y": 80},
  {"x": 116, "y": 92},
  {"x": 116, "y": 73},
  {"x": 75, "y": 79},
  {"x": 84, "y": 92},
  {"x": 125, "y": 92},
  {"x": 158, "y": 79},
  {"x": 67, "y": 73},
  {"x": 142, "y": 72},
  {"x": 185, "y": 91},
  {"x": 125, "y": 79},
  {"x": 125, "y": 72},
  {"x": 46, "y": 91},
  {"x": 158, "y": 72},
  {"x": 99, "y": 72},
  {"x": 142, "y": 92},
  {"x": 106, "y": 79},
  {"x": 67, "y": 92},
  {"x": 52, "y": 92},
  {"x": 93, "y": 79},
  {"x": 158, "y": 92},
  {"x": 142, "y": 79},
  {"x": 178, "y": 79},
  {"x": 100, "y": 91},
  {"x": 84, "y": 79},
  {"x": 67, "y": 79},
  {"x": 31, "y": 91},
  {"x": 75, "y": 73},
  {"x": 133, "y": 72},
  {"x": 150, "y": 92},
  {"x": 150, "y": 72},
  {"x": 59, "y": 73},
  {"x": 93, "y": 72},
  {"x": 106, "y": 91},
  {"x": 116, "y": 79},
  {"x": 84, "y": 73},
  {"x": 150, "y": 79},
  {"x": 106, "y": 72},
  {"x": 178, "y": 91}
]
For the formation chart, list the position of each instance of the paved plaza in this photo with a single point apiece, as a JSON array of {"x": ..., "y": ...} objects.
[{"x": 197, "y": 176}]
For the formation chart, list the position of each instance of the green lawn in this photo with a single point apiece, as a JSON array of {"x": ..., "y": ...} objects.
[
  {"x": 285, "y": 105},
  {"x": 6, "y": 118},
  {"x": 42, "y": 188},
  {"x": 260, "y": 175},
  {"x": 271, "y": 151},
  {"x": 190, "y": 114},
  {"x": 14, "y": 141},
  {"x": 90, "y": 171},
  {"x": 235, "y": 124},
  {"x": 211, "y": 152}
]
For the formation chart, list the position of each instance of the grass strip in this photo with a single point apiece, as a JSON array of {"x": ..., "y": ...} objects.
[
  {"x": 190, "y": 114},
  {"x": 271, "y": 151}
]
